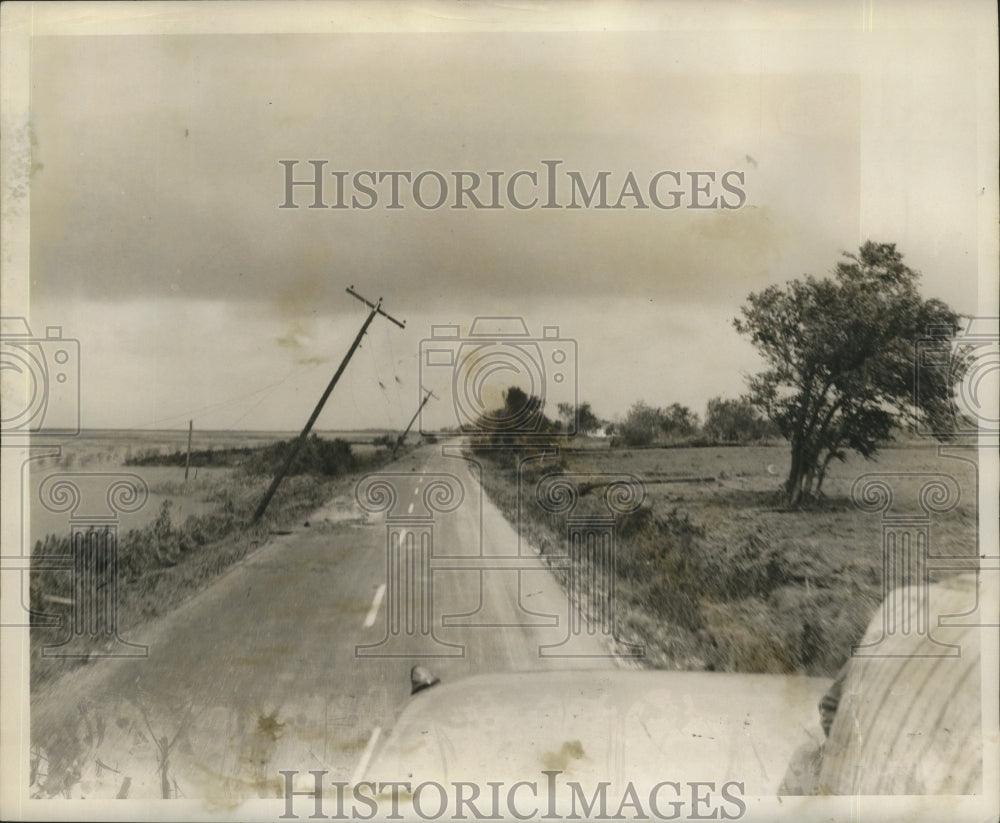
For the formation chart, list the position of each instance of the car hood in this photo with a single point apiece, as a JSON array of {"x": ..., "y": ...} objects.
[{"x": 641, "y": 727}]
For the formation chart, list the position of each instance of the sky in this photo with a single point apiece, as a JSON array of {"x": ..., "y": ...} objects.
[{"x": 155, "y": 235}]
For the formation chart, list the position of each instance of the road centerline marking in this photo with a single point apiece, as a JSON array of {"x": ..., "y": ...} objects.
[
  {"x": 376, "y": 603},
  {"x": 410, "y": 509},
  {"x": 366, "y": 756}
]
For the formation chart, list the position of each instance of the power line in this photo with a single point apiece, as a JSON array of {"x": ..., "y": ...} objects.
[{"x": 187, "y": 414}]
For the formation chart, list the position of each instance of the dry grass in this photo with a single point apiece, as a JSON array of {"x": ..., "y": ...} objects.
[
  {"x": 718, "y": 575},
  {"x": 166, "y": 559}
]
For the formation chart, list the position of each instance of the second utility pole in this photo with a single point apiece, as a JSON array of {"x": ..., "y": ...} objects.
[
  {"x": 375, "y": 308},
  {"x": 402, "y": 437}
]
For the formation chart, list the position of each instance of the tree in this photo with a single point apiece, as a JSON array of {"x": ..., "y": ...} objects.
[
  {"x": 641, "y": 425},
  {"x": 678, "y": 421},
  {"x": 521, "y": 412},
  {"x": 521, "y": 416},
  {"x": 567, "y": 411},
  {"x": 579, "y": 418},
  {"x": 735, "y": 421},
  {"x": 840, "y": 360}
]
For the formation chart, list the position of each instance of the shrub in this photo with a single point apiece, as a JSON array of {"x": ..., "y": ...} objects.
[
  {"x": 640, "y": 426},
  {"x": 317, "y": 456}
]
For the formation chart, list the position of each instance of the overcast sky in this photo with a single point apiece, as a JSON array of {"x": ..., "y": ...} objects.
[{"x": 157, "y": 240}]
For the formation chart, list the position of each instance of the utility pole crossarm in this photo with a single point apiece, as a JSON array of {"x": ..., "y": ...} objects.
[{"x": 377, "y": 307}]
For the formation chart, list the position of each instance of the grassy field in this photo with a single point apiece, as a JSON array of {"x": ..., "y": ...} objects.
[
  {"x": 713, "y": 573},
  {"x": 148, "y": 454}
]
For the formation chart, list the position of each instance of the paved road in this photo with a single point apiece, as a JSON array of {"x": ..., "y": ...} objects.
[{"x": 277, "y": 665}]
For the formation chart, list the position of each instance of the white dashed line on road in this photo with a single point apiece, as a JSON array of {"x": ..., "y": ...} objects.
[{"x": 376, "y": 603}]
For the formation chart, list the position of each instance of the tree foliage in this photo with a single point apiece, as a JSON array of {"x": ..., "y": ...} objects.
[
  {"x": 644, "y": 424},
  {"x": 519, "y": 420},
  {"x": 736, "y": 421},
  {"x": 579, "y": 418},
  {"x": 840, "y": 360},
  {"x": 678, "y": 421},
  {"x": 641, "y": 424}
]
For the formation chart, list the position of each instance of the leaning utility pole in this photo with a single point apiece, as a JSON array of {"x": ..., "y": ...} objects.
[
  {"x": 402, "y": 437},
  {"x": 187, "y": 463},
  {"x": 375, "y": 308}
]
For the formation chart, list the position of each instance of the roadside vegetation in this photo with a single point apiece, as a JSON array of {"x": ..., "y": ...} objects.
[
  {"x": 754, "y": 559},
  {"x": 715, "y": 571},
  {"x": 166, "y": 561},
  {"x": 727, "y": 421}
]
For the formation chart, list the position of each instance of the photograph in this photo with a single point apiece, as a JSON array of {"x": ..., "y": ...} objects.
[{"x": 444, "y": 411}]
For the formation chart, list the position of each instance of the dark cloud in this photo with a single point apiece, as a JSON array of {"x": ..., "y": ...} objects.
[{"x": 161, "y": 174}]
